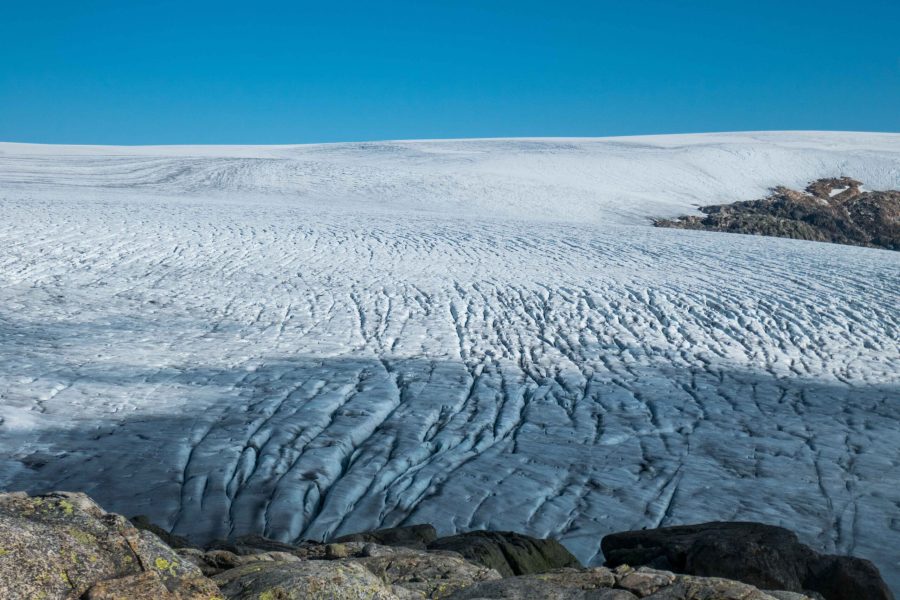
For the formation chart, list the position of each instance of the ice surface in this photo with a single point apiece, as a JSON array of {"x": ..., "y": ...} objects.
[{"x": 303, "y": 341}]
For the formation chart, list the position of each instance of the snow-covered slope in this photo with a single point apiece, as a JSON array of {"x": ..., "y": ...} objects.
[{"x": 303, "y": 341}]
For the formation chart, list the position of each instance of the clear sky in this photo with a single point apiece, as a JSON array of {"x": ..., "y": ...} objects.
[{"x": 267, "y": 71}]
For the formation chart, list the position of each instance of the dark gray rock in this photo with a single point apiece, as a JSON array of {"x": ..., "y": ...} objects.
[
  {"x": 251, "y": 544},
  {"x": 509, "y": 553},
  {"x": 143, "y": 523},
  {"x": 412, "y": 536},
  {"x": 764, "y": 556},
  {"x": 782, "y": 595}
]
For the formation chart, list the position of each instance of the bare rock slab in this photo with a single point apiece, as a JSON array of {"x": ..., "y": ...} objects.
[{"x": 63, "y": 545}]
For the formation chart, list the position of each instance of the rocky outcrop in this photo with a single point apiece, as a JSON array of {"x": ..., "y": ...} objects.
[
  {"x": 397, "y": 571},
  {"x": 173, "y": 541},
  {"x": 623, "y": 583},
  {"x": 251, "y": 544},
  {"x": 559, "y": 583},
  {"x": 412, "y": 536},
  {"x": 63, "y": 545},
  {"x": 213, "y": 562},
  {"x": 765, "y": 556},
  {"x": 423, "y": 574},
  {"x": 509, "y": 553},
  {"x": 302, "y": 580},
  {"x": 829, "y": 210}
]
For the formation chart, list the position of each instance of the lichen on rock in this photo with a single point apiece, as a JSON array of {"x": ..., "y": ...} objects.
[{"x": 62, "y": 545}]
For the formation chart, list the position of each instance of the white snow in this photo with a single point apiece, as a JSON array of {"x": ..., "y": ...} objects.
[{"x": 303, "y": 341}]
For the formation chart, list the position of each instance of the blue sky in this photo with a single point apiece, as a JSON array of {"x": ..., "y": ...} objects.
[{"x": 133, "y": 72}]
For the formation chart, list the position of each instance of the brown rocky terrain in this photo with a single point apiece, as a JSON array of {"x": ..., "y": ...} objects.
[
  {"x": 64, "y": 546},
  {"x": 833, "y": 210}
]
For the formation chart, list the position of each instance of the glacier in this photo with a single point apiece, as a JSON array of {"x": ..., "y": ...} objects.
[{"x": 306, "y": 341}]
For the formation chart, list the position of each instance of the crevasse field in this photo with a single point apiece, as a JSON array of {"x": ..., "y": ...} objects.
[{"x": 304, "y": 341}]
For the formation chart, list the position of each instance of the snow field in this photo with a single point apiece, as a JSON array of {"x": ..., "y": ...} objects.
[{"x": 308, "y": 341}]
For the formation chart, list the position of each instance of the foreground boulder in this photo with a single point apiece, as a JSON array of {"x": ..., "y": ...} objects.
[
  {"x": 62, "y": 545},
  {"x": 509, "y": 553},
  {"x": 765, "y": 556}
]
